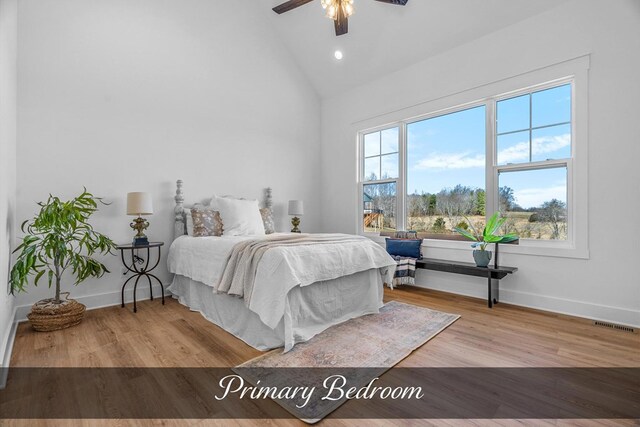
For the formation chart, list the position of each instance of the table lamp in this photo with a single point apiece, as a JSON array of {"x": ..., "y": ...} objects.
[
  {"x": 296, "y": 208},
  {"x": 139, "y": 204}
]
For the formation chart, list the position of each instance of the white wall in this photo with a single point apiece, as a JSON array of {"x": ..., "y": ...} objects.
[
  {"x": 122, "y": 95},
  {"x": 8, "y": 86},
  {"x": 605, "y": 286}
]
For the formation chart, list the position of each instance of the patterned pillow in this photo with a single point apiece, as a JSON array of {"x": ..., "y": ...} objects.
[
  {"x": 406, "y": 234},
  {"x": 188, "y": 218},
  {"x": 267, "y": 219},
  {"x": 206, "y": 222}
]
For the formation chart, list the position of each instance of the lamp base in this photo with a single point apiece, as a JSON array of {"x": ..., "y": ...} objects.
[
  {"x": 140, "y": 241},
  {"x": 295, "y": 222},
  {"x": 140, "y": 224}
]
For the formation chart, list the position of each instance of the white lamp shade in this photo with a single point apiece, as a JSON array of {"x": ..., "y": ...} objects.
[
  {"x": 296, "y": 207},
  {"x": 139, "y": 204}
]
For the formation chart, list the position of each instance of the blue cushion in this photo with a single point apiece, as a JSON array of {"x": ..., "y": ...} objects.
[{"x": 404, "y": 247}]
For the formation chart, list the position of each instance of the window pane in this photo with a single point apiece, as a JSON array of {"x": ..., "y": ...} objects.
[
  {"x": 372, "y": 144},
  {"x": 513, "y": 114},
  {"x": 446, "y": 171},
  {"x": 390, "y": 140},
  {"x": 379, "y": 207},
  {"x": 551, "y": 143},
  {"x": 389, "y": 166},
  {"x": 535, "y": 203},
  {"x": 372, "y": 169},
  {"x": 551, "y": 106},
  {"x": 513, "y": 148}
]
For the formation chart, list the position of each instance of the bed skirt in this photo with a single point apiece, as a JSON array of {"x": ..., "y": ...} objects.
[{"x": 308, "y": 310}]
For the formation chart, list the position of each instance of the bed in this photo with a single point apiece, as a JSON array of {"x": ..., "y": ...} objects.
[{"x": 299, "y": 286}]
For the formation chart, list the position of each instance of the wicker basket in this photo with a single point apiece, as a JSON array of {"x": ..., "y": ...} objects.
[{"x": 47, "y": 316}]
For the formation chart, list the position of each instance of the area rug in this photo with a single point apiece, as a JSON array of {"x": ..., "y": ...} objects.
[{"x": 359, "y": 349}]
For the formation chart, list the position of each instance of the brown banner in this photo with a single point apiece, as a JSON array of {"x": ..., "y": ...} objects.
[{"x": 458, "y": 393}]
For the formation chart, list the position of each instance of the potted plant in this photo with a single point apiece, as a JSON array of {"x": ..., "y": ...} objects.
[
  {"x": 59, "y": 240},
  {"x": 481, "y": 255}
]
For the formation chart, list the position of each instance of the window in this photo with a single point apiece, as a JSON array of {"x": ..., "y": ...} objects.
[
  {"x": 381, "y": 155},
  {"x": 446, "y": 172},
  {"x": 380, "y": 176},
  {"x": 534, "y": 202},
  {"x": 380, "y": 207},
  {"x": 533, "y": 140},
  {"x": 534, "y": 127},
  {"x": 510, "y": 153}
]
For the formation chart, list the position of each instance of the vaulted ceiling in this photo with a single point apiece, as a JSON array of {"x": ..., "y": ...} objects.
[{"x": 384, "y": 38}]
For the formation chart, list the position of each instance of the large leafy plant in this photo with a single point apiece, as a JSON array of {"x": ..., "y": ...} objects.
[
  {"x": 489, "y": 233},
  {"x": 60, "y": 239}
]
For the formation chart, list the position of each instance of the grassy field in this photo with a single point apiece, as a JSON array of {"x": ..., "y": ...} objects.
[{"x": 517, "y": 222}]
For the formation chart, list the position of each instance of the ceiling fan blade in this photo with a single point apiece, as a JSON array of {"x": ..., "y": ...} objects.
[
  {"x": 398, "y": 2},
  {"x": 341, "y": 23},
  {"x": 289, "y": 5}
]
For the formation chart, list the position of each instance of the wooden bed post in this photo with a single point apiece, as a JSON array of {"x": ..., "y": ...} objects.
[{"x": 179, "y": 224}]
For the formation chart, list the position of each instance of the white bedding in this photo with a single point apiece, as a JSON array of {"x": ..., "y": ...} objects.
[
  {"x": 308, "y": 311},
  {"x": 201, "y": 258},
  {"x": 281, "y": 269}
]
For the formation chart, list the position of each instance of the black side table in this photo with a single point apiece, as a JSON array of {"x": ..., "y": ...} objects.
[{"x": 138, "y": 273}]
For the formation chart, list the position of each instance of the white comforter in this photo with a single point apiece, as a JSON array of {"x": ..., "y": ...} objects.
[{"x": 281, "y": 268}]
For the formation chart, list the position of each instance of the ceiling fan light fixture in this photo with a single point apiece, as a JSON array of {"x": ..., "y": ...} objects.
[
  {"x": 347, "y": 7},
  {"x": 332, "y": 12},
  {"x": 331, "y": 7},
  {"x": 338, "y": 10}
]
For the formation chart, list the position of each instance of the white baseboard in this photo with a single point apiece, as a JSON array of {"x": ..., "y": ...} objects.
[
  {"x": 7, "y": 348},
  {"x": 100, "y": 300},
  {"x": 569, "y": 307}
]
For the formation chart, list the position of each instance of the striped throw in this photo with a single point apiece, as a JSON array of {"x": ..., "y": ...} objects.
[{"x": 405, "y": 271}]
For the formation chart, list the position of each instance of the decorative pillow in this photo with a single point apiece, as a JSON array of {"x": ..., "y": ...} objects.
[
  {"x": 404, "y": 247},
  {"x": 188, "y": 219},
  {"x": 206, "y": 222},
  {"x": 406, "y": 234},
  {"x": 267, "y": 221},
  {"x": 240, "y": 217}
]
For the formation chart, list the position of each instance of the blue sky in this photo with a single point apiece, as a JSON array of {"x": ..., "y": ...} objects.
[{"x": 450, "y": 149}]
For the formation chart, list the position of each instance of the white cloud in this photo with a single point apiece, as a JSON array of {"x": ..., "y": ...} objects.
[
  {"x": 541, "y": 145},
  {"x": 451, "y": 161},
  {"x": 534, "y": 197},
  {"x": 514, "y": 154}
]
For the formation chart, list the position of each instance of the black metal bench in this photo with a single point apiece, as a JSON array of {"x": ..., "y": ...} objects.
[{"x": 470, "y": 269}]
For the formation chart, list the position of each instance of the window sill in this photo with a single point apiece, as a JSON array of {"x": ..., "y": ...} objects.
[{"x": 526, "y": 247}]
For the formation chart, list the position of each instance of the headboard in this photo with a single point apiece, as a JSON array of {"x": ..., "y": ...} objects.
[{"x": 179, "y": 226}]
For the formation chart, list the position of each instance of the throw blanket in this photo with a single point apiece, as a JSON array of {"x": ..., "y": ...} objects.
[
  {"x": 405, "y": 271},
  {"x": 240, "y": 271}
]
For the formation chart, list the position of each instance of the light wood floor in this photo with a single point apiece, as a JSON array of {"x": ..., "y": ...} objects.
[{"x": 172, "y": 336}]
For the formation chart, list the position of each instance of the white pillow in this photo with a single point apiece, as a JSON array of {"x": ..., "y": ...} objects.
[{"x": 239, "y": 217}]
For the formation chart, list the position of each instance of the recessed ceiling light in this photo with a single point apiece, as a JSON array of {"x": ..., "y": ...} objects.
[{"x": 338, "y": 54}]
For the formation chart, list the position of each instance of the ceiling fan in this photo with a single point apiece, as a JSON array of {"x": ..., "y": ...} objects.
[{"x": 338, "y": 10}]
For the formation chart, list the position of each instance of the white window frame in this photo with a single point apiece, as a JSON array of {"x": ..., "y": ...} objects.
[
  {"x": 539, "y": 165},
  {"x": 575, "y": 72},
  {"x": 398, "y": 181}
]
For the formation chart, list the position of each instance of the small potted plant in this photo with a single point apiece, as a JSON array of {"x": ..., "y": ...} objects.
[
  {"x": 481, "y": 255},
  {"x": 59, "y": 240}
]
